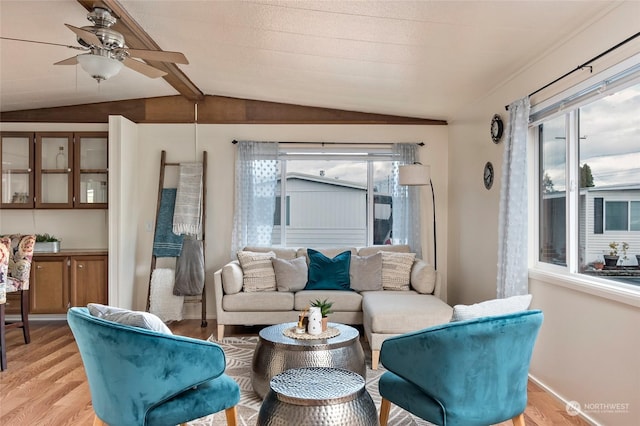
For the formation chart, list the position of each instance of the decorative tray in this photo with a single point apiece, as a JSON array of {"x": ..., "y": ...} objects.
[{"x": 291, "y": 332}]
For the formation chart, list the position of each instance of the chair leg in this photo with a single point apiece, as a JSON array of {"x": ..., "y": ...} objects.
[
  {"x": 3, "y": 345},
  {"x": 518, "y": 420},
  {"x": 384, "y": 411},
  {"x": 375, "y": 359},
  {"x": 24, "y": 311},
  {"x": 232, "y": 416},
  {"x": 220, "y": 331},
  {"x": 97, "y": 421}
]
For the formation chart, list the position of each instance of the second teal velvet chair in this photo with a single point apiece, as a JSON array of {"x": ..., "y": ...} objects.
[
  {"x": 140, "y": 377},
  {"x": 466, "y": 373}
]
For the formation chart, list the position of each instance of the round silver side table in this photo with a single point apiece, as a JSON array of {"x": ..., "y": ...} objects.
[
  {"x": 318, "y": 396},
  {"x": 276, "y": 353}
]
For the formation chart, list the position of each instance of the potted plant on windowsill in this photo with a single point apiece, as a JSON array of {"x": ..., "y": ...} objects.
[
  {"x": 325, "y": 310},
  {"x": 611, "y": 259},
  {"x": 46, "y": 243}
]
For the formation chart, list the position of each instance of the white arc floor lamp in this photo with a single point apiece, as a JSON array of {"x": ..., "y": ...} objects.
[{"x": 417, "y": 174}]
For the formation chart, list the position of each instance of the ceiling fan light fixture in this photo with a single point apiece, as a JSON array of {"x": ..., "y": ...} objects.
[{"x": 99, "y": 67}]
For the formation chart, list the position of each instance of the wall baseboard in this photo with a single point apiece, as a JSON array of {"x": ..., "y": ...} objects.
[{"x": 550, "y": 391}]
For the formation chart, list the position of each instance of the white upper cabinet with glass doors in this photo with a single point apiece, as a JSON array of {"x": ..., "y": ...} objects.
[{"x": 16, "y": 158}]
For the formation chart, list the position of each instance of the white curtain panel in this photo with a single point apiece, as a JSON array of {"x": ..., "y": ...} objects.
[
  {"x": 256, "y": 179},
  {"x": 406, "y": 201},
  {"x": 513, "y": 220}
]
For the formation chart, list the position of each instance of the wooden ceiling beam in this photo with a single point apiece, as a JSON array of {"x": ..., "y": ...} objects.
[
  {"x": 211, "y": 110},
  {"x": 137, "y": 38}
]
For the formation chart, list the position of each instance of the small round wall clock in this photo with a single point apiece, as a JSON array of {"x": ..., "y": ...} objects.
[
  {"x": 497, "y": 127},
  {"x": 487, "y": 176}
]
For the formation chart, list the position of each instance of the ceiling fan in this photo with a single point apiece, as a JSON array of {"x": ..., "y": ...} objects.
[{"x": 106, "y": 51}]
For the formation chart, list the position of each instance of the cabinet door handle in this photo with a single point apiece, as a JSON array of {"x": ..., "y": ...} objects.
[
  {"x": 68, "y": 170},
  {"x": 38, "y": 266},
  {"x": 80, "y": 266}
]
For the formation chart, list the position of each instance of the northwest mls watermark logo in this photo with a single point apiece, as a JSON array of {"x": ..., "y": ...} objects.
[{"x": 574, "y": 407}]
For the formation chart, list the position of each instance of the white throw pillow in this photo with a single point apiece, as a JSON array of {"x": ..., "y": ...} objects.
[
  {"x": 396, "y": 270},
  {"x": 128, "y": 317},
  {"x": 258, "y": 271},
  {"x": 490, "y": 308}
]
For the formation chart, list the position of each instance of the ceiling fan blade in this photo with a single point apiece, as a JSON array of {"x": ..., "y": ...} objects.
[
  {"x": 158, "y": 55},
  {"x": 87, "y": 36},
  {"x": 69, "y": 61},
  {"x": 143, "y": 68},
  {"x": 43, "y": 42}
]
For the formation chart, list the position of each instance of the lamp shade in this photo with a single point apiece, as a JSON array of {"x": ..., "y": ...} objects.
[
  {"x": 99, "y": 67},
  {"x": 415, "y": 174}
]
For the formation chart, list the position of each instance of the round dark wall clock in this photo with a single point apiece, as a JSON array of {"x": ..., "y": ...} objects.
[
  {"x": 497, "y": 127},
  {"x": 487, "y": 176}
]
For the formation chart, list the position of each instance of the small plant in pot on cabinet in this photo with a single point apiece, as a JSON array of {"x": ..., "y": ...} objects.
[
  {"x": 46, "y": 243},
  {"x": 325, "y": 310}
]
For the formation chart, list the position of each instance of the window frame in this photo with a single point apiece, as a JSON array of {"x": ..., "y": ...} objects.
[{"x": 569, "y": 276}]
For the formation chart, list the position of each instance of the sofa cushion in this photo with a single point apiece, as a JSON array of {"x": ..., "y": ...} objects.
[
  {"x": 258, "y": 271},
  {"x": 396, "y": 270},
  {"x": 291, "y": 275},
  {"x": 423, "y": 277},
  {"x": 343, "y": 301},
  {"x": 281, "y": 252},
  {"x": 258, "y": 302},
  {"x": 365, "y": 272},
  {"x": 397, "y": 248},
  {"x": 329, "y": 252},
  {"x": 128, "y": 317},
  {"x": 328, "y": 273},
  {"x": 491, "y": 307},
  {"x": 396, "y": 312},
  {"x": 232, "y": 277}
]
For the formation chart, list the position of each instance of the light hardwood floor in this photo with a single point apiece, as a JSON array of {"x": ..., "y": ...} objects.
[{"x": 45, "y": 383}]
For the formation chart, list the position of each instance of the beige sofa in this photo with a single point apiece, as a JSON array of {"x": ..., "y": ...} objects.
[{"x": 383, "y": 313}]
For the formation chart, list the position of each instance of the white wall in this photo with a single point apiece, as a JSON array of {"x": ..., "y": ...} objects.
[
  {"x": 588, "y": 346},
  {"x": 186, "y": 142}
]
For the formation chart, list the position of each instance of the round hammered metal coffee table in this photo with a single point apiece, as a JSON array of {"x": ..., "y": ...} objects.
[
  {"x": 276, "y": 353},
  {"x": 318, "y": 396}
]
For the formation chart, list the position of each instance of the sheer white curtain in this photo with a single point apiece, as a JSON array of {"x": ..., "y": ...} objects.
[
  {"x": 406, "y": 201},
  {"x": 257, "y": 175},
  {"x": 513, "y": 220}
]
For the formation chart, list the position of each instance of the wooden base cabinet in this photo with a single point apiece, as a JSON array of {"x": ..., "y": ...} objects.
[{"x": 62, "y": 280}]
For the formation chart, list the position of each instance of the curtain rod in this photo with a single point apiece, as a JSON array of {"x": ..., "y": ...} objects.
[
  {"x": 335, "y": 143},
  {"x": 583, "y": 66}
]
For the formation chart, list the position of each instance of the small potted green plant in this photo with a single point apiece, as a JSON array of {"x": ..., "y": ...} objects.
[
  {"x": 46, "y": 243},
  {"x": 325, "y": 310}
]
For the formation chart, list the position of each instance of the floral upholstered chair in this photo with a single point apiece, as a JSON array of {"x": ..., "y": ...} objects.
[{"x": 16, "y": 252}]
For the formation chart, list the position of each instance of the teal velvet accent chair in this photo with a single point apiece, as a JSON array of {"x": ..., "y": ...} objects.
[
  {"x": 16, "y": 252},
  {"x": 143, "y": 377},
  {"x": 464, "y": 373}
]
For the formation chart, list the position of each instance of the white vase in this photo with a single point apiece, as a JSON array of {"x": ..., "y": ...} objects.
[{"x": 315, "y": 321}]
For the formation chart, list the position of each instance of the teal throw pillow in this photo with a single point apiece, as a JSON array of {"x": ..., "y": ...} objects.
[{"x": 326, "y": 273}]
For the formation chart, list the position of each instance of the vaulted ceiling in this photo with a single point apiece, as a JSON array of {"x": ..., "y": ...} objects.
[{"x": 424, "y": 59}]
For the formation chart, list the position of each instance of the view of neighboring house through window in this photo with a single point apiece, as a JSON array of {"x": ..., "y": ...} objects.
[
  {"x": 589, "y": 186},
  {"x": 327, "y": 203}
]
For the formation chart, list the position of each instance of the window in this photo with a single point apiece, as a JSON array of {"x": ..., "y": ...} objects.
[
  {"x": 335, "y": 196},
  {"x": 328, "y": 202},
  {"x": 589, "y": 181}
]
